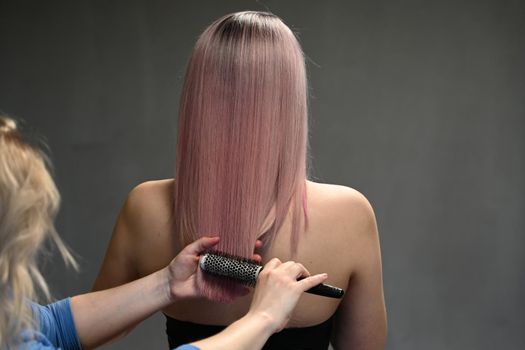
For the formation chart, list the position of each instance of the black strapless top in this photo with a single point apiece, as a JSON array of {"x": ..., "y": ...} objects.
[{"x": 307, "y": 338}]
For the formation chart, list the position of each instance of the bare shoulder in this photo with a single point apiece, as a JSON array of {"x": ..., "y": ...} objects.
[
  {"x": 360, "y": 318},
  {"x": 151, "y": 195},
  {"x": 349, "y": 217},
  {"x": 139, "y": 241},
  {"x": 147, "y": 211},
  {"x": 347, "y": 206}
]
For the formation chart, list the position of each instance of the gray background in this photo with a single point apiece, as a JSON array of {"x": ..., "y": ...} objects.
[{"x": 418, "y": 104}]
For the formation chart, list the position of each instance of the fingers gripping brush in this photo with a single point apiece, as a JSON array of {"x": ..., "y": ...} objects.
[{"x": 246, "y": 272}]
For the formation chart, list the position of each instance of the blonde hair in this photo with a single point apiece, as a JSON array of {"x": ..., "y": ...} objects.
[{"x": 29, "y": 201}]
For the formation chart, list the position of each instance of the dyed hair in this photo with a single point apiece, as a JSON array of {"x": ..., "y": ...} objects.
[
  {"x": 242, "y": 137},
  {"x": 29, "y": 201}
]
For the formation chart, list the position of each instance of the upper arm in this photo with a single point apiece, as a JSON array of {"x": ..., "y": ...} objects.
[
  {"x": 120, "y": 265},
  {"x": 361, "y": 316}
]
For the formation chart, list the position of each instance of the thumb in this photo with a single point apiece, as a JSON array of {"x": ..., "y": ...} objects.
[{"x": 201, "y": 245}]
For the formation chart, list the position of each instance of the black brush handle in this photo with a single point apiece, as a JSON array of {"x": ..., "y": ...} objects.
[{"x": 326, "y": 290}]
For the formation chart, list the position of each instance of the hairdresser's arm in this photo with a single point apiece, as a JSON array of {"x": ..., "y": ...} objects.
[
  {"x": 276, "y": 294},
  {"x": 99, "y": 316},
  {"x": 361, "y": 317}
]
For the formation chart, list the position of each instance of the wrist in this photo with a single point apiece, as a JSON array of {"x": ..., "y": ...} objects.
[
  {"x": 166, "y": 278},
  {"x": 265, "y": 321}
]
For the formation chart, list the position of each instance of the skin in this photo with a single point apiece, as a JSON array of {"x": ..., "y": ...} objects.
[
  {"x": 100, "y": 316},
  {"x": 341, "y": 240}
]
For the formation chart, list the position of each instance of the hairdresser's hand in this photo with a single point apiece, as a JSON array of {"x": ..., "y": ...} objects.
[
  {"x": 278, "y": 291},
  {"x": 182, "y": 271}
]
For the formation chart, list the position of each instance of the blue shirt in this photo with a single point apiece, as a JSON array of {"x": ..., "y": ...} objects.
[{"x": 57, "y": 329}]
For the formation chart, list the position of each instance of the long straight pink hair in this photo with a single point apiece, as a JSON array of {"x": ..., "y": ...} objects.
[{"x": 242, "y": 138}]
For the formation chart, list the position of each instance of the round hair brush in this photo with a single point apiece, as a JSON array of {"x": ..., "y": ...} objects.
[{"x": 246, "y": 272}]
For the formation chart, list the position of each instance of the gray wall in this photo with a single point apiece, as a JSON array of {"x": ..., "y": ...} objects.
[{"x": 418, "y": 104}]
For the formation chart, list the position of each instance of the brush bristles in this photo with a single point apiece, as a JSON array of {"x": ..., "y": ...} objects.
[
  {"x": 234, "y": 257},
  {"x": 232, "y": 267}
]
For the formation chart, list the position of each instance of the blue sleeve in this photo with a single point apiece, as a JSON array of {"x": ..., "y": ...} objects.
[
  {"x": 57, "y": 325},
  {"x": 187, "y": 347}
]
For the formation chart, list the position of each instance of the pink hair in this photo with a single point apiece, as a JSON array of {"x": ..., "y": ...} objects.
[{"x": 242, "y": 137}]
